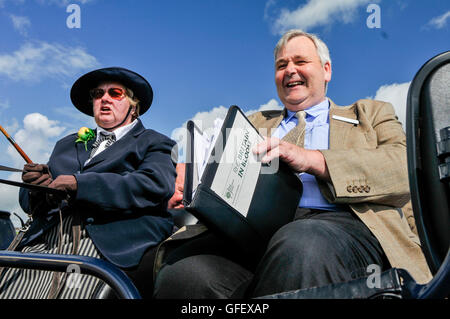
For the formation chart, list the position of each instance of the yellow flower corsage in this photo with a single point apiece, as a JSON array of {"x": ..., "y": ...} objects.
[{"x": 84, "y": 135}]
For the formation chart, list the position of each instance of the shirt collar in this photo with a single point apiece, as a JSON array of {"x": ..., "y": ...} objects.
[
  {"x": 118, "y": 132},
  {"x": 312, "y": 111},
  {"x": 317, "y": 109}
]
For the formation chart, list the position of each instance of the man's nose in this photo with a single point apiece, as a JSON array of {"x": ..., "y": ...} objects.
[{"x": 291, "y": 69}]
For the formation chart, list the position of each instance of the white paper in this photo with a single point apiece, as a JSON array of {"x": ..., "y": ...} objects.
[
  {"x": 238, "y": 170},
  {"x": 203, "y": 146}
]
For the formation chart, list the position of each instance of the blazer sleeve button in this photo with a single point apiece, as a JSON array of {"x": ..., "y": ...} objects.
[
  {"x": 355, "y": 189},
  {"x": 367, "y": 188},
  {"x": 349, "y": 188}
]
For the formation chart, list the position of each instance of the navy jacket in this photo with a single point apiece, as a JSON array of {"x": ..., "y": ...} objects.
[{"x": 122, "y": 193}]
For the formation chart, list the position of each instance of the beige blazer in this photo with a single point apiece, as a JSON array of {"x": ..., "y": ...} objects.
[{"x": 368, "y": 169}]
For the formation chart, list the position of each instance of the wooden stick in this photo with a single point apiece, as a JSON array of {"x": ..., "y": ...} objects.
[{"x": 17, "y": 147}]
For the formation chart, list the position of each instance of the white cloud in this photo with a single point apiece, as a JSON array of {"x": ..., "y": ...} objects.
[
  {"x": 271, "y": 105},
  {"x": 317, "y": 13},
  {"x": 396, "y": 94},
  {"x": 36, "y": 61},
  {"x": 63, "y": 3},
  {"x": 440, "y": 21},
  {"x": 9, "y": 199},
  {"x": 205, "y": 121},
  {"x": 21, "y": 24},
  {"x": 36, "y": 138}
]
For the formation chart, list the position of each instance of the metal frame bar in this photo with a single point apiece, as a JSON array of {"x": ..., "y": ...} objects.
[{"x": 101, "y": 269}]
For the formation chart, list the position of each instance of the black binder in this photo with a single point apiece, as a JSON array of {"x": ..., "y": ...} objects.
[{"x": 274, "y": 202}]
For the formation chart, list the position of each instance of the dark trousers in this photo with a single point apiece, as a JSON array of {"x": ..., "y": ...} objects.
[
  {"x": 316, "y": 249},
  {"x": 142, "y": 274}
]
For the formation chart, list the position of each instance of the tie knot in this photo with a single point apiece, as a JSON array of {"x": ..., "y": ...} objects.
[
  {"x": 300, "y": 115},
  {"x": 107, "y": 136}
]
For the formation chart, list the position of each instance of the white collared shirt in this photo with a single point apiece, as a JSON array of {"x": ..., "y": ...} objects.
[
  {"x": 316, "y": 138},
  {"x": 118, "y": 132}
]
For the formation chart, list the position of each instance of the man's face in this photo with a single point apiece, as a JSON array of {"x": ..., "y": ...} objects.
[
  {"x": 109, "y": 111},
  {"x": 299, "y": 75}
]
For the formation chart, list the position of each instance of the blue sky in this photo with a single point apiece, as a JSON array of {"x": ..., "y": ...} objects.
[{"x": 199, "y": 56}]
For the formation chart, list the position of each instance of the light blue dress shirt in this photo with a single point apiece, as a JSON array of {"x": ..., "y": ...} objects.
[{"x": 316, "y": 138}]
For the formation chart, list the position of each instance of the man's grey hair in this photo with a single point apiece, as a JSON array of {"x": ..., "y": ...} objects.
[{"x": 321, "y": 47}]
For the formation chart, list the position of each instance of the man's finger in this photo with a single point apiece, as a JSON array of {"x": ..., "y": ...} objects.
[
  {"x": 271, "y": 155},
  {"x": 266, "y": 145}
]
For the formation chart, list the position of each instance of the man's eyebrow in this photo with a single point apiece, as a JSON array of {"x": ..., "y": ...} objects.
[{"x": 295, "y": 57}]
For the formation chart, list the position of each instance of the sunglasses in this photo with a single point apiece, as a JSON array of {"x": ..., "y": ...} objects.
[{"x": 115, "y": 93}]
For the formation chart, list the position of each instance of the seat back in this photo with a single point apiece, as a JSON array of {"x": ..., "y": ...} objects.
[{"x": 428, "y": 151}]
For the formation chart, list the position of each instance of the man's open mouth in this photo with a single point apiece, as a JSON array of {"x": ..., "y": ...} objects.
[{"x": 295, "y": 83}]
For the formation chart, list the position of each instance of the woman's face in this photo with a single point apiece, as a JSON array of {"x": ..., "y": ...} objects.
[{"x": 110, "y": 108}]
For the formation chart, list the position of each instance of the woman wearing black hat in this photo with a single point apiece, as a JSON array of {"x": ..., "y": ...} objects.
[{"x": 118, "y": 177}]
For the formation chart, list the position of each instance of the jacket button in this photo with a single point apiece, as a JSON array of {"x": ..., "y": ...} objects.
[
  {"x": 367, "y": 188},
  {"x": 360, "y": 188},
  {"x": 355, "y": 189},
  {"x": 349, "y": 188}
]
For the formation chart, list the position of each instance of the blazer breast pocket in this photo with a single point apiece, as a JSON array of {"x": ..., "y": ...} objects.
[{"x": 360, "y": 138}]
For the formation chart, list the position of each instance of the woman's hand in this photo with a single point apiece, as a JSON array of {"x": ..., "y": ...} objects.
[{"x": 36, "y": 174}]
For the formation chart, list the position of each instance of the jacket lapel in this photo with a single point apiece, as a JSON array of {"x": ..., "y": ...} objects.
[
  {"x": 339, "y": 130},
  {"x": 82, "y": 153},
  {"x": 116, "y": 146},
  {"x": 267, "y": 121}
]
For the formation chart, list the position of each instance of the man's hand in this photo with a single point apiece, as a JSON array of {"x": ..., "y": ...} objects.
[
  {"x": 36, "y": 174},
  {"x": 176, "y": 201},
  {"x": 298, "y": 158}
]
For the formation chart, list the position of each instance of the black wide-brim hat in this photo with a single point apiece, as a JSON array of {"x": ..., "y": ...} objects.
[{"x": 81, "y": 99}]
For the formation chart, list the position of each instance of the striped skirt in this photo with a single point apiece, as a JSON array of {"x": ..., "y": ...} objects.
[{"x": 18, "y": 283}]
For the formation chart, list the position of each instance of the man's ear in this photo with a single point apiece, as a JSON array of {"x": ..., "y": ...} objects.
[{"x": 327, "y": 70}]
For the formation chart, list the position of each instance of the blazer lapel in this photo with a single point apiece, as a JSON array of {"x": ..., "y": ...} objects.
[
  {"x": 267, "y": 121},
  {"x": 116, "y": 146},
  {"x": 339, "y": 130},
  {"x": 82, "y": 153}
]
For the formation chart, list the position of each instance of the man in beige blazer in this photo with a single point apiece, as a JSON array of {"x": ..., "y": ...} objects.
[{"x": 353, "y": 167}]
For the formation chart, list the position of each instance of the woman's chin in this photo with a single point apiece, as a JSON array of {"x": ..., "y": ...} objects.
[{"x": 105, "y": 122}]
